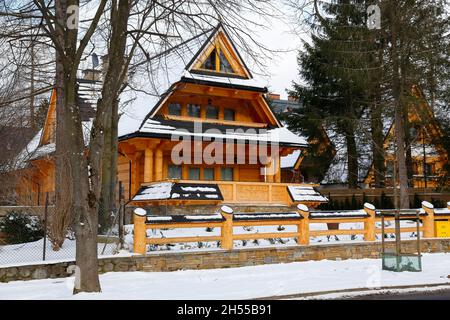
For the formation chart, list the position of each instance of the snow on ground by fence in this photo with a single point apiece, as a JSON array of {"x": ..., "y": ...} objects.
[
  {"x": 201, "y": 232},
  {"x": 30, "y": 253},
  {"x": 238, "y": 283}
]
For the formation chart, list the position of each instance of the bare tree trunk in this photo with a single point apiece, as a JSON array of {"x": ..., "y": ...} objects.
[
  {"x": 63, "y": 214},
  {"x": 408, "y": 140},
  {"x": 400, "y": 152},
  {"x": 378, "y": 145},
  {"x": 352, "y": 157},
  {"x": 378, "y": 152},
  {"x": 72, "y": 163},
  {"x": 110, "y": 94}
]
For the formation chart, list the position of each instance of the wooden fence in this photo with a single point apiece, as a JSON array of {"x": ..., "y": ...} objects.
[{"x": 302, "y": 219}]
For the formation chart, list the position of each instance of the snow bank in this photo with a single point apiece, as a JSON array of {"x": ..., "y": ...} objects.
[{"x": 238, "y": 283}]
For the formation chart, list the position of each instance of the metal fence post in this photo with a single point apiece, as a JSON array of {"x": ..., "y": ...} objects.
[
  {"x": 44, "y": 249},
  {"x": 121, "y": 215}
]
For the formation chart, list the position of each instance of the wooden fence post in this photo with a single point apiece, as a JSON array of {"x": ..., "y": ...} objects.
[
  {"x": 140, "y": 231},
  {"x": 428, "y": 220},
  {"x": 227, "y": 228},
  {"x": 303, "y": 226},
  {"x": 369, "y": 222}
]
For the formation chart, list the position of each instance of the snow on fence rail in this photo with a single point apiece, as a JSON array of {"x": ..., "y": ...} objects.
[{"x": 226, "y": 220}]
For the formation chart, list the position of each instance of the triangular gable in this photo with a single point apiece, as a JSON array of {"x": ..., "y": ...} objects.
[
  {"x": 242, "y": 80},
  {"x": 218, "y": 56},
  {"x": 48, "y": 133}
]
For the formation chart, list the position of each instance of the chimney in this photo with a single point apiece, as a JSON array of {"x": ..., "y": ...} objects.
[
  {"x": 105, "y": 65},
  {"x": 91, "y": 74},
  {"x": 274, "y": 96}
]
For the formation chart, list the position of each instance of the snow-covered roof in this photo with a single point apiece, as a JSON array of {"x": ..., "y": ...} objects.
[
  {"x": 34, "y": 150},
  {"x": 162, "y": 128},
  {"x": 305, "y": 194},
  {"x": 290, "y": 160},
  {"x": 179, "y": 191},
  {"x": 174, "y": 68}
]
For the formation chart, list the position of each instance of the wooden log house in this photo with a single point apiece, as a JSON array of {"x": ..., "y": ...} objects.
[
  {"x": 428, "y": 154},
  {"x": 211, "y": 97}
]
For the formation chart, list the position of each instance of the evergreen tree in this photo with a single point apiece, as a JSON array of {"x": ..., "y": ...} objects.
[{"x": 335, "y": 68}]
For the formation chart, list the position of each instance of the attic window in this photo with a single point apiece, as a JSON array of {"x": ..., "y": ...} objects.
[
  {"x": 210, "y": 62},
  {"x": 217, "y": 61},
  {"x": 225, "y": 65}
]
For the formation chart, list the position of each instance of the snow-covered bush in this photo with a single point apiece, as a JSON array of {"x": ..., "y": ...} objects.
[{"x": 19, "y": 227}]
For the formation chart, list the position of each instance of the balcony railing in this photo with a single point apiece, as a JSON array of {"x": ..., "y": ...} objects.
[{"x": 240, "y": 192}]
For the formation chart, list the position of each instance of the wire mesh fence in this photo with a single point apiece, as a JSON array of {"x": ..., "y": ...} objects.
[{"x": 24, "y": 236}]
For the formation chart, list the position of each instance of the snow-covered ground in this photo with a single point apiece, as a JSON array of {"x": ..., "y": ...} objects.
[
  {"x": 31, "y": 253},
  {"x": 203, "y": 232},
  {"x": 238, "y": 283}
]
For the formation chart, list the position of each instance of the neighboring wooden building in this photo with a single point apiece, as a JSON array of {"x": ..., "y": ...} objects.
[
  {"x": 207, "y": 96},
  {"x": 427, "y": 151},
  {"x": 35, "y": 165}
]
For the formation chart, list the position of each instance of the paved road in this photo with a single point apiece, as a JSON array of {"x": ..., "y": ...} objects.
[{"x": 433, "y": 295}]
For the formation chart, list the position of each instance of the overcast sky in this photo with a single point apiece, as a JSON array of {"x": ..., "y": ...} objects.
[{"x": 282, "y": 67}]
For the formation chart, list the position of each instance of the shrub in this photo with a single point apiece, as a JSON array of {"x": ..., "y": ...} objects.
[{"x": 19, "y": 227}]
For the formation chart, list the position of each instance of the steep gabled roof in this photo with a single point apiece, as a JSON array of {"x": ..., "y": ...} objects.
[
  {"x": 423, "y": 112},
  {"x": 220, "y": 37},
  {"x": 43, "y": 143},
  {"x": 181, "y": 66}
]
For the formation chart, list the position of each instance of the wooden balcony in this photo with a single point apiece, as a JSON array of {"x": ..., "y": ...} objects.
[{"x": 243, "y": 193}]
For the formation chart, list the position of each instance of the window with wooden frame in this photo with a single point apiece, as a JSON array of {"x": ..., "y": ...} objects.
[
  {"x": 175, "y": 172},
  {"x": 217, "y": 61},
  {"x": 429, "y": 169},
  {"x": 208, "y": 174},
  {"x": 229, "y": 114},
  {"x": 212, "y": 112},
  {"x": 174, "y": 109},
  {"x": 194, "y": 110},
  {"x": 194, "y": 173},
  {"x": 227, "y": 174}
]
